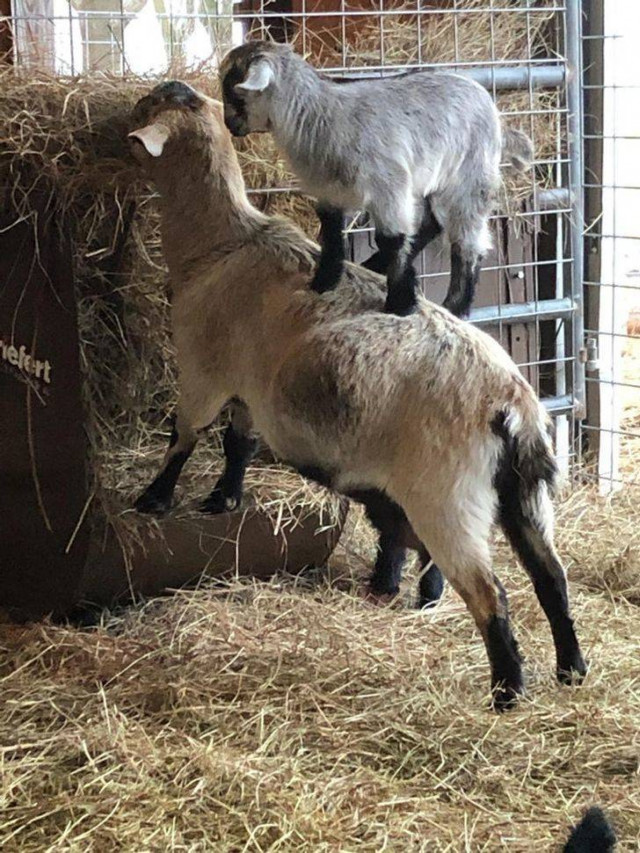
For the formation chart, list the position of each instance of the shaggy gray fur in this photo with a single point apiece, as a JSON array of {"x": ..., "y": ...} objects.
[{"x": 381, "y": 145}]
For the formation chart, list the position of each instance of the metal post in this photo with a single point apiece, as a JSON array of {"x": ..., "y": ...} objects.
[
  {"x": 574, "y": 104},
  {"x": 504, "y": 77}
]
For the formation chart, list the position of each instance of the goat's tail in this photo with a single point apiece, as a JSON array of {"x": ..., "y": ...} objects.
[
  {"x": 527, "y": 472},
  {"x": 594, "y": 834},
  {"x": 517, "y": 149}
]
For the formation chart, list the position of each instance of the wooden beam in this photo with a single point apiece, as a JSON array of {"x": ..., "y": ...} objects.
[
  {"x": 593, "y": 54},
  {"x": 6, "y": 33}
]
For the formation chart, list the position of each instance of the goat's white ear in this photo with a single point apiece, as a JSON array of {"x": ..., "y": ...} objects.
[
  {"x": 259, "y": 76},
  {"x": 153, "y": 137}
]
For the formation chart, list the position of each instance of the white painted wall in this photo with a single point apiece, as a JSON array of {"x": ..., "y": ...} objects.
[
  {"x": 621, "y": 216},
  {"x": 60, "y": 41}
]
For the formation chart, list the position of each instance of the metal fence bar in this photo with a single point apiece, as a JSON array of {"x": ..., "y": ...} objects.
[
  {"x": 503, "y": 77},
  {"x": 544, "y": 309},
  {"x": 556, "y": 406}
]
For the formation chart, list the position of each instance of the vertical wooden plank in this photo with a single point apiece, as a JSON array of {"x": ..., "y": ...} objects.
[
  {"x": 519, "y": 286},
  {"x": 6, "y": 33},
  {"x": 593, "y": 52}
]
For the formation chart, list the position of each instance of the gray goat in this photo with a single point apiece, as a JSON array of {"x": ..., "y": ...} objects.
[
  {"x": 419, "y": 152},
  {"x": 328, "y": 378}
]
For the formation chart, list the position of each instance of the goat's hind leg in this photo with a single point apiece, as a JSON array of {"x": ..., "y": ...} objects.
[
  {"x": 532, "y": 543},
  {"x": 390, "y": 562},
  {"x": 428, "y": 231},
  {"x": 387, "y": 518},
  {"x": 394, "y": 532},
  {"x": 431, "y": 583},
  {"x": 402, "y": 282},
  {"x": 239, "y": 445},
  {"x": 457, "y": 535},
  {"x": 486, "y": 599},
  {"x": 332, "y": 254}
]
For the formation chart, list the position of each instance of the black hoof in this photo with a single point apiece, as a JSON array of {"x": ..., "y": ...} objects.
[
  {"x": 217, "y": 502},
  {"x": 431, "y": 588},
  {"x": 152, "y": 504},
  {"x": 572, "y": 675},
  {"x": 326, "y": 279},
  {"x": 505, "y": 698},
  {"x": 400, "y": 307},
  {"x": 381, "y": 589}
]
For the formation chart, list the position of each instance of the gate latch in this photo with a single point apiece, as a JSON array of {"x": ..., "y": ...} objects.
[{"x": 592, "y": 362}]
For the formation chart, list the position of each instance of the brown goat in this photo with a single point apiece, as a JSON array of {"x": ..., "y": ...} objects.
[{"x": 425, "y": 410}]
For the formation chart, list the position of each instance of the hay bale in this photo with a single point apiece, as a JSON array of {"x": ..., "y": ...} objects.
[{"x": 67, "y": 139}]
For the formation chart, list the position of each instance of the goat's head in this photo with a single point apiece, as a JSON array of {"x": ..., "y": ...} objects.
[
  {"x": 248, "y": 75},
  {"x": 174, "y": 122}
]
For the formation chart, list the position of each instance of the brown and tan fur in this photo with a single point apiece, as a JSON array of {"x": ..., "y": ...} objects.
[{"x": 404, "y": 405}]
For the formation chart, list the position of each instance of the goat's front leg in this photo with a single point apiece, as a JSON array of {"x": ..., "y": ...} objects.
[
  {"x": 156, "y": 498},
  {"x": 239, "y": 445},
  {"x": 381, "y": 260},
  {"x": 332, "y": 255}
]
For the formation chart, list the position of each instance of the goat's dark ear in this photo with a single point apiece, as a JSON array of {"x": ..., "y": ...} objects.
[
  {"x": 153, "y": 137},
  {"x": 259, "y": 76}
]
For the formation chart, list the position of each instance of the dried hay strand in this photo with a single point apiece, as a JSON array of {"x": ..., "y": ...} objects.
[
  {"x": 630, "y": 424},
  {"x": 473, "y": 33},
  {"x": 294, "y": 716},
  {"x": 601, "y": 536}
]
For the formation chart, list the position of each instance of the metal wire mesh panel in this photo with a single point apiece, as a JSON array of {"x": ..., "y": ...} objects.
[
  {"x": 528, "y": 295},
  {"x": 530, "y": 291},
  {"x": 612, "y": 192}
]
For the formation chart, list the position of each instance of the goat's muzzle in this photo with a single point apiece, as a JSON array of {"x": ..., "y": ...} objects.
[{"x": 236, "y": 126}]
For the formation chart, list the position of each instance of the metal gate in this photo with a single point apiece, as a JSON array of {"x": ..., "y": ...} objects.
[{"x": 528, "y": 54}]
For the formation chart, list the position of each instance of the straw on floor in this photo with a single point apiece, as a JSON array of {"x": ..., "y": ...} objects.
[
  {"x": 292, "y": 715},
  {"x": 296, "y": 716}
]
